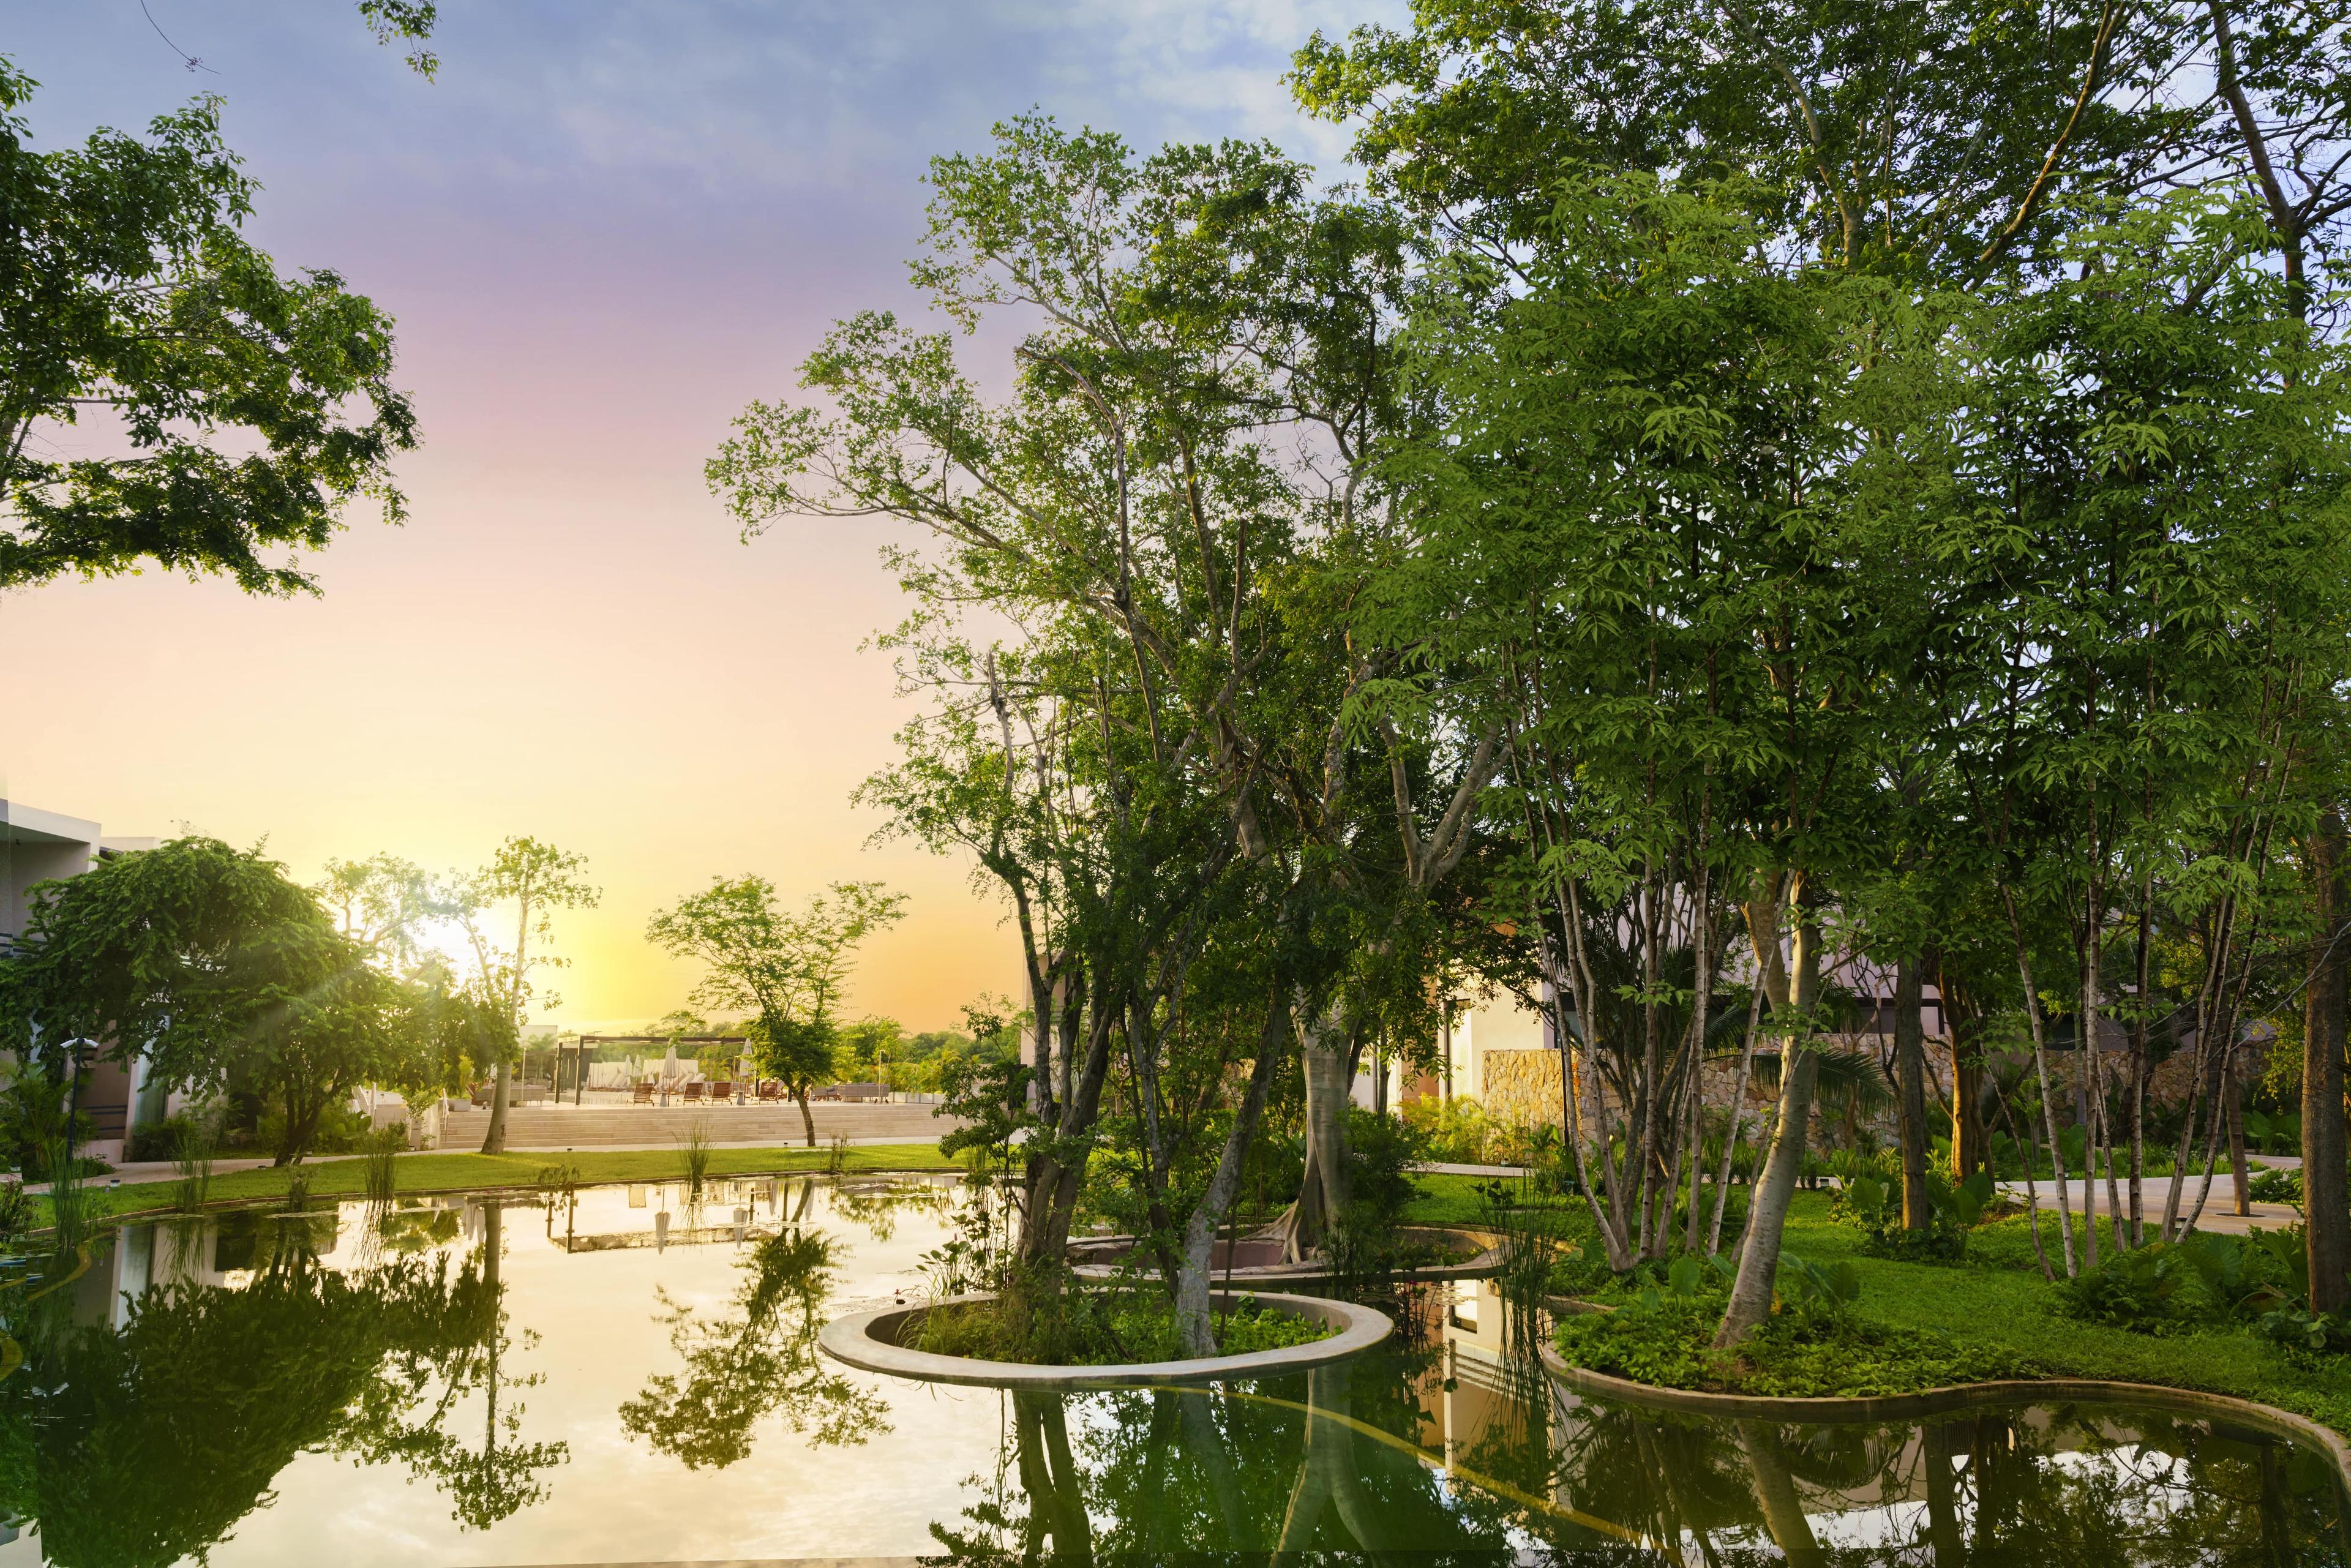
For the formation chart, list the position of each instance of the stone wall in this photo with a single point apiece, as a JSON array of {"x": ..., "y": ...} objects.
[{"x": 1521, "y": 1087}]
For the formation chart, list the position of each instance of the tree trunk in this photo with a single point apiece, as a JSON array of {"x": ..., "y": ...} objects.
[
  {"x": 1738, "y": 1112},
  {"x": 808, "y": 1117},
  {"x": 1194, "y": 1276},
  {"x": 2041, "y": 1072},
  {"x": 1767, "y": 1211},
  {"x": 1970, "y": 1134},
  {"x": 1911, "y": 1077},
  {"x": 1053, "y": 1177},
  {"x": 2326, "y": 1203},
  {"x": 494, "y": 1142},
  {"x": 2234, "y": 1088},
  {"x": 1322, "y": 1045}
]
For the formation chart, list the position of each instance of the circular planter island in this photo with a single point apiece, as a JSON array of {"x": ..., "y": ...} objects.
[
  {"x": 1467, "y": 1253},
  {"x": 1927, "y": 1404},
  {"x": 873, "y": 1342}
]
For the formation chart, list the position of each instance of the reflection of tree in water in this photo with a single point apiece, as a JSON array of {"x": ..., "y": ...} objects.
[
  {"x": 495, "y": 1481},
  {"x": 1286, "y": 1466},
  {"x": 877, "y": 1206},
  {"x": 147, "y": 1444},
  {"x": 408, "y": 1230},
  {"x": 761, "y": 1361},
  {"x": 2067, "y": 1487}
]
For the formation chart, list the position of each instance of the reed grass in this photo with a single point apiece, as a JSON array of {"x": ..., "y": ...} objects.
[
  {"x": 193, "y": 1160},
  {"x": 696, "y": 1159},
  {"x": 68, "y": 1219},
  {"x": 382, "y": 1174}
]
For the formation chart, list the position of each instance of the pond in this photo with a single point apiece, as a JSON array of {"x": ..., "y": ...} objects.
[{"x": 630, "y": 1379}]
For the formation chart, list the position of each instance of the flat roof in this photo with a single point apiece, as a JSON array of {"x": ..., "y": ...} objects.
[{"x": 29, "y": 825}]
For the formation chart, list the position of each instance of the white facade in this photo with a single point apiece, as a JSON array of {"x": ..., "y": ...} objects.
[{"x": 37, "y": 846}]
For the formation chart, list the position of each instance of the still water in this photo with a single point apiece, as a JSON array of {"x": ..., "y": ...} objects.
[{"x": 627, "y": 1378}]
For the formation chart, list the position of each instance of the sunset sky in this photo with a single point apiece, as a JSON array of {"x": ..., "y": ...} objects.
[{"x": 603, "y": 229}]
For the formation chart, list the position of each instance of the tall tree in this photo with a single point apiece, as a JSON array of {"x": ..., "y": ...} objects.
[
  {"x": 532, "y": 879},
  {"x": 209, "y": 963},
  {"x": 792, "y": 970},
  {"x": 244, "y": 410}
]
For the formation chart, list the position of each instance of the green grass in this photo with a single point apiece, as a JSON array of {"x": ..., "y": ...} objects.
[
  {"x": 1995, "y": 1306},
  {"x": 1456, "y": 1201},
  {"x": 468, "y": 1172}
]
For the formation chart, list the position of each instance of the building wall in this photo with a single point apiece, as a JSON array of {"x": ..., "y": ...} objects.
[{"x": 37, "y": 846}]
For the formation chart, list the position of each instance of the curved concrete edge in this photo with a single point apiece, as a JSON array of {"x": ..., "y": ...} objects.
[
  {"x": 1929, "y": 1402},
  {"x": 868, "y": 1341},
  {"x": 1484, "y": 1265}
]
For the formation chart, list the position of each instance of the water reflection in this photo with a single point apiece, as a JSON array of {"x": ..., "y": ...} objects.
[
  {"x": 759, "y": 1361},
  {"x": 636, "y": 1379},
  {"x": 165, "y": 1389},
  {"x": 1452, "y": 1452}
]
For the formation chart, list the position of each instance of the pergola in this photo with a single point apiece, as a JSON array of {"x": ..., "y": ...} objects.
[{"x": 571, "y": 1057}]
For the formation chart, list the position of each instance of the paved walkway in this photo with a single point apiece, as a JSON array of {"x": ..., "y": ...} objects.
[{"x": 2220, "y": 1209}]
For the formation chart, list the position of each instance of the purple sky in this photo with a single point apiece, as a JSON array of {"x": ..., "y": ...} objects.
[{"x": 603, "y": 229}]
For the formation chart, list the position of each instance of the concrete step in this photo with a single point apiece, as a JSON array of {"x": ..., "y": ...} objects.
[{"x": 655, "y": 1126}]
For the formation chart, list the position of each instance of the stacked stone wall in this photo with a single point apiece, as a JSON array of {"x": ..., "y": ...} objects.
[{"x": 1521, "y": 1087}]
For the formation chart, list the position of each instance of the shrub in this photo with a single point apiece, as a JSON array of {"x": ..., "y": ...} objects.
[
  {"x": 2207, "y": 1278},
  {"x": 2139, "y": 1290},
  {"x": 1871, "y": 1199},
  {"x": 2272, "y": 1185},
  {"x": 1452, "y": 1130},
  {"x": 156, "y": 1141},
  {"x": 341, "y": 1130},
  {"x": 1106, "y": 1327}
]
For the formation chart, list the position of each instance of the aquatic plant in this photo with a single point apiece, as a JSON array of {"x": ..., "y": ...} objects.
[
  {"x": 383, "y": 1174},
  {"x": 197, "y": 1138},
  {"x": 695, "y": 1155}
]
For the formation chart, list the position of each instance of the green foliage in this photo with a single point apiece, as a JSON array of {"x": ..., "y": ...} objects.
[
  {"x": 35, "y": 1115},
  {"x": 131, "y": 286},
  {"x": 232, "y": 977},
  {"x": 1871, "y": 1199},
  {"x": 1669, "y": 1342},
  {"x": 1107, "y": 1327},
  {"x": 2261, "y": 1279},
  {"x": 2137, "y": 1289},
  {"x": 2273, "y": 1185},
  {"x": 791, "y": 969},
  {"x": 693, "y": 1159},
  {"x": 758, "y": 1361},
  {"x": 1452, "y": 1129},
  {"x": 384, "y": 1146}
]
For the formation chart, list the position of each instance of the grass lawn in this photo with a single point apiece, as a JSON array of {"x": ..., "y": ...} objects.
[
  {"x": 1998, "y": 1303},
  {"x": 465, "y": 1172}
]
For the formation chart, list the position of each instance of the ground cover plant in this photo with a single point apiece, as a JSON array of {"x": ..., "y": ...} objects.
[
  {"x": 1107, "y": 1328},
  {"x": 1912, "y": 1324}
]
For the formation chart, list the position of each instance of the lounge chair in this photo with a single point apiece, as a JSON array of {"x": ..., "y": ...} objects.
[
  {"x": 722, "y": 1089},
  {"x": 641, "y": 1093},
  {"x": 770, "y": 1090},
  {"x": 694, "y": 1091}
]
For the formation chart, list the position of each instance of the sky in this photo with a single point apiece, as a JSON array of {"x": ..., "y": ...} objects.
[{"x": 603, "y": 229}]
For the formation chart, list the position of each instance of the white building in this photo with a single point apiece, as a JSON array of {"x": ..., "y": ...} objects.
[{"x": 39, "y": 846}]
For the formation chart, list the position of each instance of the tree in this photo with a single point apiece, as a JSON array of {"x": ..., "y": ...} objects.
[
  {"x": 534, "y": 879},
  {"x": 211, "y": 964},
  {"x": 790, "y": 970},
  {"x": 247, "y": 409}
]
